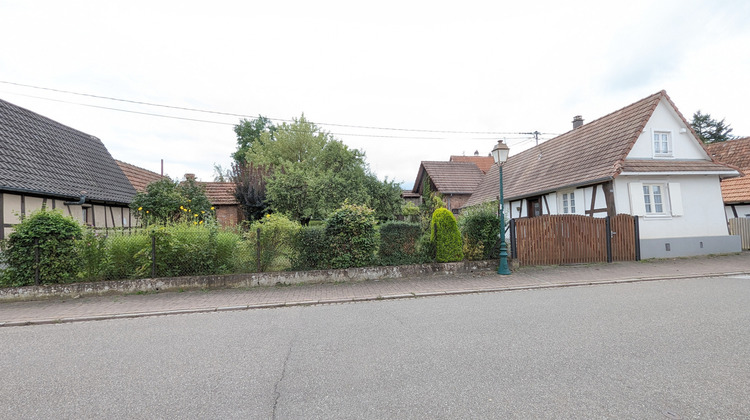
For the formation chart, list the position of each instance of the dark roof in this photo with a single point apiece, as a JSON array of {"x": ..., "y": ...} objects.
[
  {"x": 41, "y": 156},
  {"x": 138, "y": 177},
  {"x": 737, "y": 153},
  {"x": 449, "y": 177},
  {"x": 592, "y": 153},
  {"x": 484, "y": 163}
]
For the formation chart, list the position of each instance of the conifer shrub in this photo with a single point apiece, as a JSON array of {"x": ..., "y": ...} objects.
[
  {"x": 398, "y": 243},
  {"x": 44, "y": 242},
  {"x": 445, "y": 235},
  {"x": 352, "y": 237}
]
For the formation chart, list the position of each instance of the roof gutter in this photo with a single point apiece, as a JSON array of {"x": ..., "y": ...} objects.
[
  {"x": 35, "y": 192},
  {"x": 80, "y": 201}
]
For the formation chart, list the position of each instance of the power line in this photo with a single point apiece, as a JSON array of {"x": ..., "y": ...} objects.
[
  {"x": 245, "y": 115},
  {"x": 151, "y": 114}
]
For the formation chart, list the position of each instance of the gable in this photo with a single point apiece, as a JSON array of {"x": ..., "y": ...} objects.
[
  {"x": 43, "y": 157},
  {"x": 666, "y": 119},
  {"x": 449, "y": 177}
]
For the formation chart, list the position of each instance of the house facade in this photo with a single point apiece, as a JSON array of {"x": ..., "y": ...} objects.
[
  {"x": 454, "y": 181},
  {"x": 643, "y": 160},
  {"x": 46, "y": 164}
]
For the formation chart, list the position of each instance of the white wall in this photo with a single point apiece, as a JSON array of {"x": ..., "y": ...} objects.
[
  {"x": 684, "y": 145},
  {"x": 702, "y": 207}
]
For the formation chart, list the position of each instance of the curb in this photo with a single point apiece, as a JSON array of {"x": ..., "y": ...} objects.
[{"x": 411, "y": 295}]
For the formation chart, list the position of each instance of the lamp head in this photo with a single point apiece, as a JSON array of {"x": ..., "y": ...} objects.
[{"x": 500, "y": 152}]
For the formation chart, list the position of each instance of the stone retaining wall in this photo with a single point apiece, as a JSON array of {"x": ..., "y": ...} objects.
[{"x": 241, "y": 280}]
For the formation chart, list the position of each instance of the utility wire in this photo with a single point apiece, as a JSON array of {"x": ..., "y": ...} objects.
[
  {"x": 250, "y": 116},
  {"x": 232, "y": 124}
]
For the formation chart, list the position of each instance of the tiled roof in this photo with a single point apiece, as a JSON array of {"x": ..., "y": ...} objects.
[
  {"x": 449, "y": 177},
  {"x": 484, "y": 163},
  {"x": 39, "y": 155},
  {"x": 220, "y": 193},
  {"x": 737, "y": 153},
  {"x": 592, "y": 153},
  {"x": 138, "y": 176}
]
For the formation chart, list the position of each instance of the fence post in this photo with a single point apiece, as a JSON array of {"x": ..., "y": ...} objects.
[
  {"x": 637, "y": 234},
  {"x": 36, "y": 261},
  {"x": 153, "y": 255},
  {"x": 257, "y": 251},
  {"x": 512, "y": 227},
  {"x": 608, "y": 228}
]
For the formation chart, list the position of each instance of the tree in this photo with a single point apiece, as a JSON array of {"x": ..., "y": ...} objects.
[
  {"x": 710, "y": 130},
  {"x": 251, "y": 189},
  {"x": 314, "y": 173},
  {"x": 249, "y": 132},
  {"x": 167, "y": 201}
]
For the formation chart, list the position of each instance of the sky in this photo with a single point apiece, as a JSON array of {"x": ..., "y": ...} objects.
[{"x": 403, "y": 81}]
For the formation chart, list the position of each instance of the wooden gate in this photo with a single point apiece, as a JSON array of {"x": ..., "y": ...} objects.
[{"x": 573, "y": 239}]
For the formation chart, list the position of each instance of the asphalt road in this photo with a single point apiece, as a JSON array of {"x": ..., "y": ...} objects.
[{"x": 664, "y": 349}]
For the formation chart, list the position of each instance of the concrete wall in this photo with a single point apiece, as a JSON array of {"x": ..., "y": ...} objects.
[
  {"x": 242, "y": 280},
  {"x": 689, "y": 247}
]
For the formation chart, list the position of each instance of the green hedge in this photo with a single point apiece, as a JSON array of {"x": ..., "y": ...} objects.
[{"x": 398, "y": 243}]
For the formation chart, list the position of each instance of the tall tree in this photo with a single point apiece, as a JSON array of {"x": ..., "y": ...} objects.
[
  {"x": 249, "y": 132},
  {"x": 710, "y": 130},
  {"x": 251, "y": 189},
  {"x": 314, "y": 173}
]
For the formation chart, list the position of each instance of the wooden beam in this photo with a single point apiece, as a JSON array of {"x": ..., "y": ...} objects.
[
  {"x": 593, "y": 201},
  {"x": 2, "y": 217},
  {"x": 546, "y": 204},
  {"x": 609, "y": 198}
]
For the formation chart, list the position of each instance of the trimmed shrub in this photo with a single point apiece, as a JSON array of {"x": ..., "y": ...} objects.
[
  {"x": 351, "y": 235},
  {"x": 54, "y": 237},
  {"x": 445, "y": 235},
  {"x": 277, "y": 243},
  {"x": 312, "y": 249},
  {"x": 398, "y": 243},
  {"x": 480, "y": 230}
]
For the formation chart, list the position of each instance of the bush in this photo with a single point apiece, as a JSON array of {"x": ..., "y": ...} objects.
[
  {"x": 398, "y": 243},
  {"x": 445, "y": 235},
  {"x": 480, "y": 229},
  {"x": 93, "y": 250},
  {"x": 312, "y": 249},
  {"x": 54, "y": 237},
  {"x": 128, "y": 256},
  {"x": 277, "y": 243},
  {"x": 351, "y": 235}
]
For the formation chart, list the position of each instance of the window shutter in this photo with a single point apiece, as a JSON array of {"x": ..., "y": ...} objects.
[
  {"x": 675, "y": 199},
  {"x": 637, "y": 205}
]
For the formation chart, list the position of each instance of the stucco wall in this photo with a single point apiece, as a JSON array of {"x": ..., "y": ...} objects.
[
  {"x": 703, "y": 208},
  {"x": 664, "y": 118}
]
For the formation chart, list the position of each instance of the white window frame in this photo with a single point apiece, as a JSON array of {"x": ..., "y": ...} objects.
[
  {"x": 656, "y": 145},
  {"x": 568, "y": 202},
  {"x": 671, "y": 199},
  {"x": 652, "y": 200}
]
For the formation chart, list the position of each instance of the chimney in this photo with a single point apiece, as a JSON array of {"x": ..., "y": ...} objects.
[
  {"x": 577, "y": 121},
  {"x": 476, "y": 153},
  {"x": 189, "y": 176}
]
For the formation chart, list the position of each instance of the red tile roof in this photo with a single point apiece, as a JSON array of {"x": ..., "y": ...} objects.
[
  {"x": 737, "y": 153},
  {"x": 449, "y": 177},
  {"x": 592, "y": 153},
  {"x": 138, "y": 176},
  {"x": 484, "y": 163},
  {"x": 220, "y": 193}
]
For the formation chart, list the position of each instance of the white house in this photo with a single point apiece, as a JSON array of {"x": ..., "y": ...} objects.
[{"x": 643, "y": 160}]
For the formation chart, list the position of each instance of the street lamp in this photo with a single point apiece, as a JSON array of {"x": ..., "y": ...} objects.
[{"x": 500, "y": 154}]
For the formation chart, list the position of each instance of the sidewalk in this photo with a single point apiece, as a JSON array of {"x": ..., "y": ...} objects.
[{"x": 138, "y": 305}]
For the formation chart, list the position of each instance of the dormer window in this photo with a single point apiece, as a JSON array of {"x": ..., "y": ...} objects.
[{"x": 662, "y": 144}]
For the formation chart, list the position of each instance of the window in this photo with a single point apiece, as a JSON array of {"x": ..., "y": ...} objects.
[
  {"x": 662, "y": 143},
  {"x": 569, "y": 203},
  {"x": 653, "y": 198}
]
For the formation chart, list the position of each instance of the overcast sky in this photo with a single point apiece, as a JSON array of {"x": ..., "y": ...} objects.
[{"x": 464, "y": 73}]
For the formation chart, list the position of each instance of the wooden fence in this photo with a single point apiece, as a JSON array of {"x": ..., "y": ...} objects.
[
  {"x": 741, "y": 226},
  {"x": 573, "y": 239}
]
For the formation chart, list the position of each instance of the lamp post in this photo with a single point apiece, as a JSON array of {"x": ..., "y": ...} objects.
[{"x": 500, "y": 154}]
